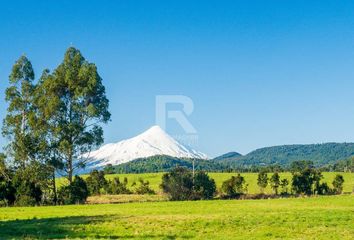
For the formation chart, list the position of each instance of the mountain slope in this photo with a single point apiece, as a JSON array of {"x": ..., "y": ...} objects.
[
  {"x": 320, "y": 154},
  {"x": 163, "y": 163},
  {"x": 152, "y": 142}
]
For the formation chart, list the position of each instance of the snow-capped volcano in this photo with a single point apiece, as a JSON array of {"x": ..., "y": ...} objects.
[{"x": 154, "y": 141}]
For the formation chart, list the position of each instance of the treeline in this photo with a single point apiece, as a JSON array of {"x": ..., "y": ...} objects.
[
  {"x": 320, "y": 154},
  {"x": 181, "y": 184},
  {"x": 51, "y": 122},
  {"x": 163, "y": 163}
]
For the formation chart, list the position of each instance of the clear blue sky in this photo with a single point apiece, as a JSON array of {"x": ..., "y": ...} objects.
[{"x": 260, "y": 73}]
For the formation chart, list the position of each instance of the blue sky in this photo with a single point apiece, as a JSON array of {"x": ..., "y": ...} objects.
[{"x": 260, "y": 73}]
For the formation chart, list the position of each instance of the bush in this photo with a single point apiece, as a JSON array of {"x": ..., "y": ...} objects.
[
  {"x": 338, "y": 184},
  {"x": 262, "y": 180},
  {"x": 28, "y": 192},
  {"x": 204, "y": 186},
  {"x": 234, "y": 187},
  {"x": 180, "y": 185},
  {"x": 75, "y": 193},
  {"x": 96, "y": 182},
  {"x": 306, "y": 181},
  {"x": 144, "y": 188},
  {"x": 117, "y": 187}
]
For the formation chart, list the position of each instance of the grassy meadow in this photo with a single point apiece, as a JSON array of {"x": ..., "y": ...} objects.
[
  {"x": 327, "y": 217},
  {"x": 251, "y": 179}
]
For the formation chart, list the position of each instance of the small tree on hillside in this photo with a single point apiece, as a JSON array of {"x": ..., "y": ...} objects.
[
  {"x": 275, "y": 182},
  {"x": 262, "y": 180}
]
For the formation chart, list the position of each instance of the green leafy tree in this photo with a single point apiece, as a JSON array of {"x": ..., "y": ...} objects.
[
  {"x": 338, "y": 184},
  {"x": 204, "y": 186},
  {"x": 96, "y": 181},
  {"x": 284, "y": 183},
  {"x": 234, "y": 187},
  {"x": 262, "y": 180},
  {"x": 275, "y": 182},
  {"x": 178, "y": 184},
  {"x": 73, "y": 105},
  {"x": 16, "y": 127}
]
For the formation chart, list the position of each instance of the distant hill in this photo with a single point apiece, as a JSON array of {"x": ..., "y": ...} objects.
[
  {"x": 319, "y": 154},
  {"x": 228, "y": 155},
  {"x": 163, "y": 163}
]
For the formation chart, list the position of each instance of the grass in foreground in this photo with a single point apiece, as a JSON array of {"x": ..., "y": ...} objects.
[{"x": 329, "y": 217}]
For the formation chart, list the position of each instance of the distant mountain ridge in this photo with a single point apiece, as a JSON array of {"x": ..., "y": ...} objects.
[{"x": 319, "y": 154}]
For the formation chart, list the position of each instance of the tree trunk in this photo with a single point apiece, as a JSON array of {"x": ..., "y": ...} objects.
[{"x": 55, "y": 199}]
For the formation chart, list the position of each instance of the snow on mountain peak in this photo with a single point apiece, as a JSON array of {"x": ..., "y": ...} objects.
[{"x": 154, "y": 141}]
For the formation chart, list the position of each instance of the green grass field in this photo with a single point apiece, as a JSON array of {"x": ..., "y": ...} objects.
[
  {"x": 328, "y": 217},
  {"x": 251, "y": 179}
]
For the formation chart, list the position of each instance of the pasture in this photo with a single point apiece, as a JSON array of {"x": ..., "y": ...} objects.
[{"x": 327, "y": 217}]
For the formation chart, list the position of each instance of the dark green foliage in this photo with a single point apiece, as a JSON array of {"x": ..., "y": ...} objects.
[
  {"x": 73, "y": 106},
  {"x": 204, "y": 186},
  {"x": 178, "y": 184},
  {"x": 338, "y": 184},
  {"x": 109, "y": 169},
  {"x": 74, "y": 193},
  {"x": 234, "y": 187},
  {"x": 306, "y": 181},
  {"x": 275, "y": 182},
  {"x": 284, "y": 183},
  {"x": 144, "y": 188},
  {"x": 96, "y": 182},
  {"x": 163, "y": 163},
  {"x": 115, "y": 186},
  {"x": 319, "y": 154},
  {"x": 262, "y": 180},
  {"x": 298, "y": 166}
]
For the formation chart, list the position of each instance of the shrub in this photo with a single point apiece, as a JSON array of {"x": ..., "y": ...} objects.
[
  {"x": 28, "y": 192},
  {"x": 284, "y": 186},
  {"x": 75, "y": 193},
  {"x": 96, "y": 182},
  {"x": 204, "y": 186},
  {"x": 262, "y": 180},
  {"x": 234, "y": 187},
  {"x": 178, "y": 184},
  {"x": 117, "y": 187},
  {"x": 144, "y": 188},
  {"x": 307, "y": 181},
  {"x": 275, "y": 182},
  {"x": 338, "y": 184}
]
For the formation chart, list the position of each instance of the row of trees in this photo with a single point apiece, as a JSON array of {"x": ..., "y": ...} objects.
[
  {"x": 50, "y": 123},
  {"x": 181, "y": 184}
]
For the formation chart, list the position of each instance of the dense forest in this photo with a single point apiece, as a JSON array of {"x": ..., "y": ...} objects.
[{"x": 320, "y": 154}]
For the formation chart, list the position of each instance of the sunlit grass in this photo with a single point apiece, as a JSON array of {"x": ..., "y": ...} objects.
[{"x": 329, "y": 217}]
